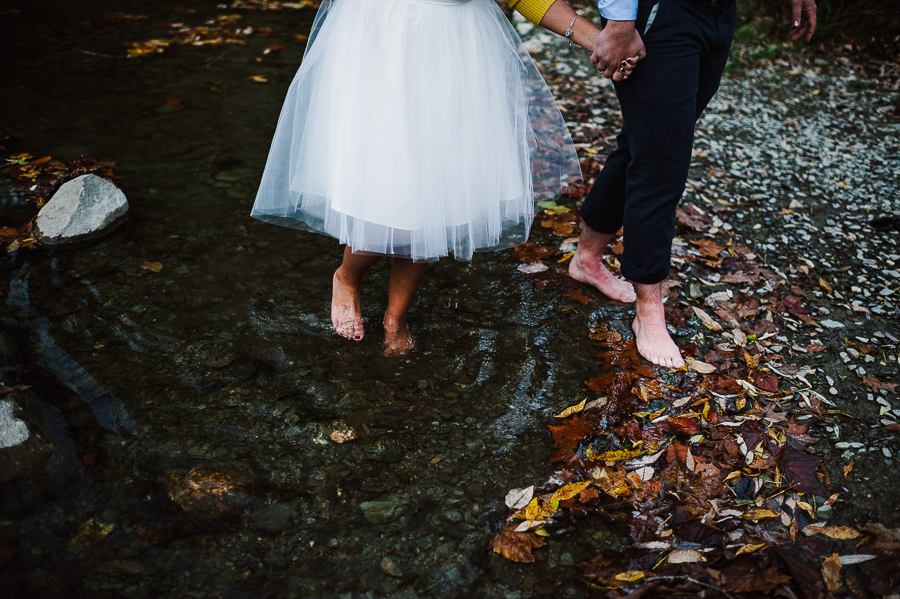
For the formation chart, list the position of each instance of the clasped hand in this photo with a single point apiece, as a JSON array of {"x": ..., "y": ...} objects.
[{"x": 618, "y": 43}]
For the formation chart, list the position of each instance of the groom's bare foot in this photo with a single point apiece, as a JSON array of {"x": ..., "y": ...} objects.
[
  {"x": 398, "y": 340},
  {"x": 650, "y": 333},
  {"x": 346, "y": 313},
  {"x": 596, "y": 274}
]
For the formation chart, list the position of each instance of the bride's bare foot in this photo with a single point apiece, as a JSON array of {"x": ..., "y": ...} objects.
[
  {"x": 398, "y": 340},
  {"x": 595, "y": 273},
  {"x": 346, "y": 313},
  {"x": 650, "y": 333}
]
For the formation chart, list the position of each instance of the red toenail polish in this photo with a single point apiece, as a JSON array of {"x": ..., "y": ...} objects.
[{"x": 357, "y": 337}]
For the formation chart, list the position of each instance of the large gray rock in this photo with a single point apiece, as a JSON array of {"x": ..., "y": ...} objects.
[
  {"x": 37, "y": 454},
  {"x": 84, "y": 208},
  {"x": 12, "y": 430}
]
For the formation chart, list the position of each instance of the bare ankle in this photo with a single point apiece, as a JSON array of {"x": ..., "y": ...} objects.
[{"x": 394, "y": 323}]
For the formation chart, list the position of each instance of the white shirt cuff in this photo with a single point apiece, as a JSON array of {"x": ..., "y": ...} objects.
[{"x": 618, "y": 10}]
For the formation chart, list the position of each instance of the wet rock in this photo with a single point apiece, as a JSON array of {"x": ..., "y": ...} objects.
[
  {"x": 393, "y": 453},
  {"x": 84, "y": 208},
  {"x": 12, "y": 430},
  {"x": 275, "y": 559},
  {"x": 825, "y": 512},
  {"x": 391, "y": 568},
  {"x": 379, "y": 512},
  {"x": 275, "y": 518},
  {"x": 112, "y": 515},
  {"x": 36, "y": 453},
  {"x": 118, "y": 567}
]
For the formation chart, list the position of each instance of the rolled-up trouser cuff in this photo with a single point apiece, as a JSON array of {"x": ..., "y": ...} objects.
[
  {"x": 605, "y": 227},
  {"x": 644, "y": 277}
]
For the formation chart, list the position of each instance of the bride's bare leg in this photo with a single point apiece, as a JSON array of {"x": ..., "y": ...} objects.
[
  {"x": 346, "y": 311},
  {"x": 405, "y": 278}
]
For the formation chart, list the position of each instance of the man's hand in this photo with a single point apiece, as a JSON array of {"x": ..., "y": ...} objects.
[
  {"x": 619, "y": 42},
  {"x": 803, "y": 19}
]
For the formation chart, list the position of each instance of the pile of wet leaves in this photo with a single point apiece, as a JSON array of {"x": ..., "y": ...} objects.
[{"x": 721, "y": 473}]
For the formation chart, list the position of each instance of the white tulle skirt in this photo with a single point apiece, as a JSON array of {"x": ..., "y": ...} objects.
[{"x": 415, "y": 128}]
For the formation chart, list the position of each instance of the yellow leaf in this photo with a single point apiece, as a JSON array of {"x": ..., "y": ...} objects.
[
  {"x": 759, "y": 514},
  {"x": 569, "y": 491},
  {"x": 848, "y": 469},
  {"x": 619, "y": 455},
  {"x": 258, "y": 78},
  {"x": 750, "y": 548},
  {"x": 734, "y": 474},
  {"x": 553, "y": 210},
  {"x": 701, "y": 367},
  {"x": 807, "y": 508},
  {"x": 572, "y": 409},
  {"x": 154, "y": 266},
  {"x": 842, "y": 533},
  {"x": 630, "y": 576},
  {"x": 532, "y": 510}
]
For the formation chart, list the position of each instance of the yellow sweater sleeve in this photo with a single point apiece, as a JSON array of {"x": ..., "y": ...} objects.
[{"x": 533, "y": 10}]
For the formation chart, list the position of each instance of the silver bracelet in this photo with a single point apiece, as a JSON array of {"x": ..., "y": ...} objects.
[{"x": 569, "y": 31}]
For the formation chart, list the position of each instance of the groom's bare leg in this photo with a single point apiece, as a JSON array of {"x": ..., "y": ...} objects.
[
  {"x": 650, "y": 333},
  {"x": 587, "y": 266}
]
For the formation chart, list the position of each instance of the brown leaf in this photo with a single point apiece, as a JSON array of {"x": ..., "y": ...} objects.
[
  {"x": 831, "y": 572},
  {"x": 567, "y": 436},
  {"x": 531, "y": 252},
  {"x": 578, "y": 295},
  {"x": 809, "y": 579},
  {"x": 517, "y": 546},
  {"x": 877, "y": 385},
  {"x": 708, "y": 247},
  {"x": 800, "y": 470},
  {"x": 604, "y": 334},
  {"x": 152, "y": 266},
  {"x": 738, "y": 577},
  {"x": 689, "y": 217},
  {"x": 627, "y": 358}
]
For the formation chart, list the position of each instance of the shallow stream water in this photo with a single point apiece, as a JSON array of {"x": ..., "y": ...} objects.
[
  {"x": 180, "y": 419},
  {"x": 186, "y": 412}
]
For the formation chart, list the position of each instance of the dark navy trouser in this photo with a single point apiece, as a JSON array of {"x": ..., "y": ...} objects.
[{"x": 643, "y": 179}]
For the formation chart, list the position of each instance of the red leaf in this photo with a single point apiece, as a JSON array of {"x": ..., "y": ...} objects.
[{"x": 766, "y": 382}]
